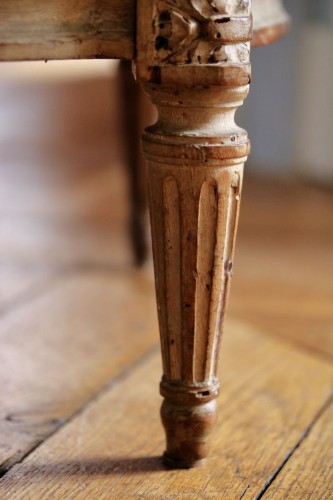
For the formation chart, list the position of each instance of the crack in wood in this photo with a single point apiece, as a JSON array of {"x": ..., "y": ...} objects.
[{"x": 244, "y": 492}]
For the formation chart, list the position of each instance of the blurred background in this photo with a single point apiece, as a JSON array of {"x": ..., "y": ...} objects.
[{"x": 289, "y": 111}]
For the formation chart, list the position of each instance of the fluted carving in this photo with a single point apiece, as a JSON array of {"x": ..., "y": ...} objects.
[
  {"x": 195, "y": 155},
  {"x": 206, "y": 276},
  {"x": 210, "y": 237},
  {"x": 172, "y": 336}
]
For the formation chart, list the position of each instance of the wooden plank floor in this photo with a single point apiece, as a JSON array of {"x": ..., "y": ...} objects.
[{"x": 79, "y": 358}]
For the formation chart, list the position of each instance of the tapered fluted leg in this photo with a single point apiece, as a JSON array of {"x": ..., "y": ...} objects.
[
  {"x": 195, "y": 155},
  {"x": 194, "y": 192}
]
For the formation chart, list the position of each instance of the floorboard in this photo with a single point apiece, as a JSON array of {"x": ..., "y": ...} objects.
[
  {"x": 283, "y": 262},
  {"x": 271, "y": 393},
  {"x": 309, "y": 474},
  {"x": 60, "y": 348}
]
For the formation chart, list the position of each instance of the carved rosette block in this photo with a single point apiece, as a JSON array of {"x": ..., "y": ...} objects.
[{"x": 193, "y": 61}]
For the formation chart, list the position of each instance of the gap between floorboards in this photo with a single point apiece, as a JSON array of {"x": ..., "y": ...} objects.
[{"x": 290, "y": 452}]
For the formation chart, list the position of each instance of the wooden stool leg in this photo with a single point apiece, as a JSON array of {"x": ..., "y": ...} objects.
[
  {"x": 195, "y": 155},
  {"x": 194, "y": 191}
]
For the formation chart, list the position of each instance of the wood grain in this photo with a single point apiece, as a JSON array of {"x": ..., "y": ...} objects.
[
  {"x": 271, "y": 393},
  {"x": 49, "y": 29},
  {"x": 63, "y": 247},
  {"x": 73, "y": 29},
  {"x": 193, "y": 62},
  {"x": 309, "y": 473},
  {"x": 60, "y": 348}
]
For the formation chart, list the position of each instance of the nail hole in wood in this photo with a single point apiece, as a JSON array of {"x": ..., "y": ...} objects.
[
  {"x": 161, "y": 43},
  {"x": 204, "y": 393},
  {"x": 223, "y": 20}
]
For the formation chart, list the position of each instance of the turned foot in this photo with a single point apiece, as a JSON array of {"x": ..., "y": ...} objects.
[{"x": 187, "y": 433}]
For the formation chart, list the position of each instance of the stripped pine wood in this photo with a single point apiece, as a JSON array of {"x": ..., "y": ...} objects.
[
  {"x": 208, "y": 210},
  {"x": 49, "y": 29},
  {"x": 173, "y": 349},
  {"x": 39, "y": 29},
  {"x": 309, "y": 473},
  {"x": 193, "y": 61},
  {"x": 59, "y": 349},
  {"x": 271, "y": 393}
]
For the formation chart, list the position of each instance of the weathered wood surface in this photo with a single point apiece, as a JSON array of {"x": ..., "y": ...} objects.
[
  {"x": 59, "y": 350},
  {"x": 309, "y": 474},
  {"x": 72, "y": 29},
  {"x": 271, "y": 394},
  {"x": 193, "y": 61}
]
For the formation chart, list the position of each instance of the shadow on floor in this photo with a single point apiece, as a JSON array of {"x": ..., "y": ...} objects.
[{"x": 95, "y": 467}]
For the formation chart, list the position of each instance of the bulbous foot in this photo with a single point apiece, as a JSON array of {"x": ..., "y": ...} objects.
[{"x": 187, "y": 432}]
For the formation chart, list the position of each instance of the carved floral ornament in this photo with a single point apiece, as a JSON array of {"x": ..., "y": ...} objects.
[{"x": 202, "y": 31}]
